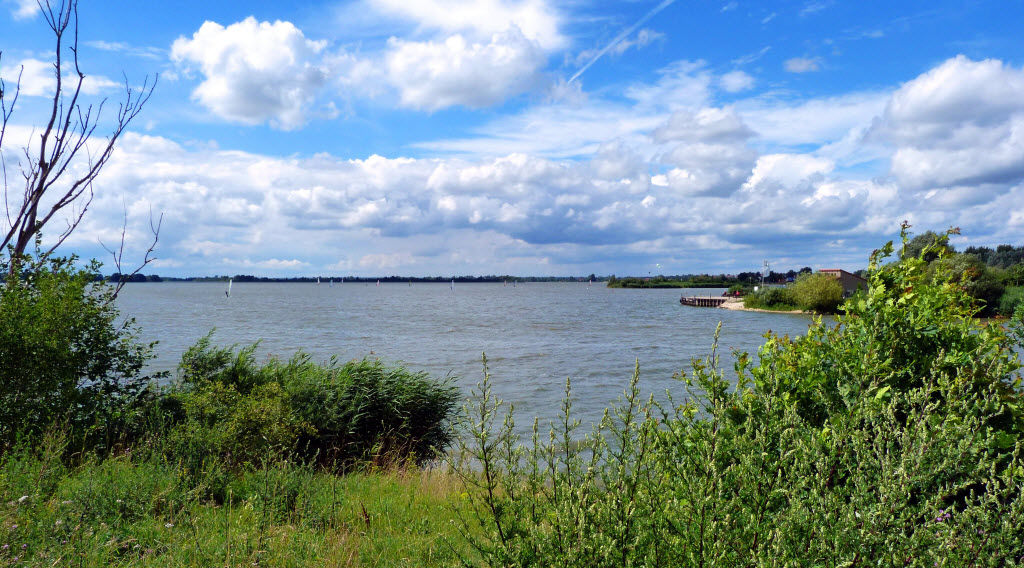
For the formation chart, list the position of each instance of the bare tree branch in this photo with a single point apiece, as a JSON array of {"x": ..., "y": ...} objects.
[
  {"x": 7, "y": 104},
  {"x": 50, "y": 187},
  {"x": 118, "y": 255}
]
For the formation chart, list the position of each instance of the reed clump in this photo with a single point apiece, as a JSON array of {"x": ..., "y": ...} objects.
[{"x": 227, "y": 406}]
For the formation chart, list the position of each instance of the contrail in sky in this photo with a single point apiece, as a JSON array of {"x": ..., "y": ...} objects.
[{"x": 618, "y": 39}]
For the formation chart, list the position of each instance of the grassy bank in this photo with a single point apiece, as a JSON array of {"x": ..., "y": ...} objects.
[{"x": 138, "y": 509}]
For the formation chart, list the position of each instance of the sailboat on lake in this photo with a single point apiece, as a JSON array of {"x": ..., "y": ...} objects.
[{"x": 228, "y": 291}]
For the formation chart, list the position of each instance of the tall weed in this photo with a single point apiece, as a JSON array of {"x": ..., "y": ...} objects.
[{"x": 892, "y": 438}]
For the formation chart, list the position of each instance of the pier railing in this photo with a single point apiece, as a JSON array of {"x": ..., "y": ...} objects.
[{"x": 702, "y": 302}]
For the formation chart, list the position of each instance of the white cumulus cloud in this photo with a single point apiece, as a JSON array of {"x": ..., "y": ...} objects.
[
  {"x": 710, "y": 155},
  {"x": 960, "y": 124},
  {"x": 255, "y": 72},
  {"x": 433, "y": 75},
  {"x": 536, "y": 19}
]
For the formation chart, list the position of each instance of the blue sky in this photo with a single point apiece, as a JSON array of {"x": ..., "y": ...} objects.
[{"x": 436, "y": 137}]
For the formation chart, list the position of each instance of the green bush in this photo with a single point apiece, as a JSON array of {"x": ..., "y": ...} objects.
[
  {"x": 771, "y": 298},
  {"x": 66, "y": 356},
  {"x": 979, "y": 281},
  {"x": 740, "y": 289},
  {"x": 892, "y": 438},
  {"x": 225, "y": 406},
  {"x": 1011, "y": 299},
  {"x": 819, "y": 293}
]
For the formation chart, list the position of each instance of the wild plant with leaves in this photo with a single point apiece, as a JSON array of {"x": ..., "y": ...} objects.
[
  {"x": 228, "y": 407},
  {"x": 67, "y": 357},
  {"x": 890, "y": 438}
]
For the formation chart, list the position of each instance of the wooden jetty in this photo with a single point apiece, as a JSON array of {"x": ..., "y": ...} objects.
[{"x": 702, "y": 302}]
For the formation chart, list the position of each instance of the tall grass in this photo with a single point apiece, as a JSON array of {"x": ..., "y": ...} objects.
[{"x": 139, "y": 509}]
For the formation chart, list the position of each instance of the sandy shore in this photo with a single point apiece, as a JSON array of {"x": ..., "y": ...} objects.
[{"x": 737, "y": 304}]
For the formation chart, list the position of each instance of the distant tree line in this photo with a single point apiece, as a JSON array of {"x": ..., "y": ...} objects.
[
  {"x": 136, "y": 278},
  {"x": 133, "y": 278},
  {"x": 743, "y": 279}
]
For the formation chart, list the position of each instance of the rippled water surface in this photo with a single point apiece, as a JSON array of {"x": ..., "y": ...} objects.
[{"x": 535, "y": 334}]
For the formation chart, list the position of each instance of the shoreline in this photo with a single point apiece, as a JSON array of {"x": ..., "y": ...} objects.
[{"x": 736, "y": 304}]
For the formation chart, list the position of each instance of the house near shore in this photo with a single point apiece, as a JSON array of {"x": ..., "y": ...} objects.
[{"x": 850, "y": 282}]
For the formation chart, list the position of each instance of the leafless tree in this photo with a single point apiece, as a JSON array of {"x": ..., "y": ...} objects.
[
  {"x": 53, "y": 179},
  {"x": 118, "y": 255}
]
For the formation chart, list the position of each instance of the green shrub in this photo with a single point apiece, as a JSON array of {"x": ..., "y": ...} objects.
[
  {"x": 740, "y": 289},
  {"x": 771, "y": 298},
  {"x": 227, "y": 406},
  {"x": 66, "y": 356},
  {"x": 819, "y": 293},
  {"x": 1011, "y": 299},
  {"x": 892, "y": 438},
  {"x": 979, "y": 281}
]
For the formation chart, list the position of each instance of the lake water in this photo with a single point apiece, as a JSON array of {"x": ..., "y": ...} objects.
[{"x": 534, "y": 334}]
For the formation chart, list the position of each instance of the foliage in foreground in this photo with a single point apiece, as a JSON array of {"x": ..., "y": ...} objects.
[
  {"x": 893, "y": 438},
  {"x": 138, "y": 509},
  {"x": 225, "y": 406},
  {"x": 67, "y": 356}
]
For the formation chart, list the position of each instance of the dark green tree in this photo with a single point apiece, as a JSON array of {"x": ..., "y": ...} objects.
[{"x": 927, "y": 246}]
